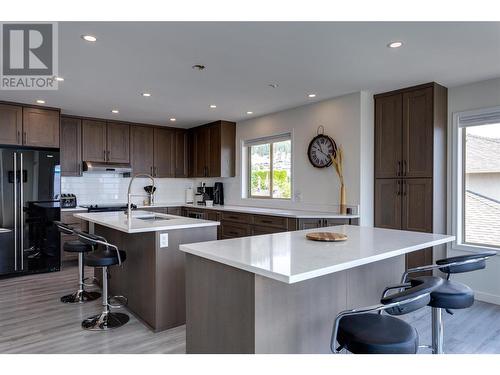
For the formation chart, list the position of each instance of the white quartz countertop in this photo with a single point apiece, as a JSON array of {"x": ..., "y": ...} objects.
[
  {"x": 297, "y": 214},
  {"x": 290, "y": 257},
  {"x": 119, "y": 221}
]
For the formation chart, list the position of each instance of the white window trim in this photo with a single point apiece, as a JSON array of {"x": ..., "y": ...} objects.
[
  {"x": 245, "y": 175},
  {"x": 457, "y": 180}
]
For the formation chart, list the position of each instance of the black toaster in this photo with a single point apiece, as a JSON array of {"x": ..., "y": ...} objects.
[{"x": 68, "y": 200}]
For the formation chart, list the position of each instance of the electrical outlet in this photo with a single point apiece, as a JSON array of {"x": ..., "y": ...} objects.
[{"x": 163, "y": 240}]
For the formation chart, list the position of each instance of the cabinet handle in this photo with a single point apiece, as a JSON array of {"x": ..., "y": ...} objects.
[
  {"x": 24, "y": 137},
  {"x": 104, "y": 154},
  {"x": 399, "y": 169},
  {"x": 404, "y": 167},
  {"x": 18, "y": 136},
  {"x": 151, "y": 170}
]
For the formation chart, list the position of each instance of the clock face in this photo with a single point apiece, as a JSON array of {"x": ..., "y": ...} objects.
[{"x": 320, "y": 149}]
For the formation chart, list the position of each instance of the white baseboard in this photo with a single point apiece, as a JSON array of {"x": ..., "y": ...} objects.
[{"x": 487, "y": 297}]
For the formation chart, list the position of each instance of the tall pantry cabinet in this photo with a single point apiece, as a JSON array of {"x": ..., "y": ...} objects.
[{"x": 410, "y": 162}]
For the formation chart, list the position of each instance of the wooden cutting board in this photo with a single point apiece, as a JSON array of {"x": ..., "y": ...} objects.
[{"x": 326, "y": 236}]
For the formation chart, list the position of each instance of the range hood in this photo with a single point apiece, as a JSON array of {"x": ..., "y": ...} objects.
[{"x": 99, "y": 167}]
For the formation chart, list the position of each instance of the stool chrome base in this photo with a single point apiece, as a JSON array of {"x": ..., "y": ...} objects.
[
  {"x": 437, "y": 331},
  {"x": 104, "y": 321},
  {"x": 80, "y": 296}
]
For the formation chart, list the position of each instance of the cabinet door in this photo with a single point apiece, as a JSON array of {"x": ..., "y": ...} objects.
[
  {"x": 417, "y": 204},
  {"x": 118, "y": 143},
  {"x": 418, "y": 133},
  {"x": 11, "y": 124},
  {"x": 40, "y": 127},
  {"x": 417, "y": 216},
  {"x": 201, "y": 140},
  {"x": 141, "y": 149},
  {"x": 388, "y": 136},
  {"x": 181, "y": 148},
  {"x": 71, "y": 146},
  {"x": 94, "y": 140},
  {"x": 388, "y": 203},
  {"x": 214, "y": 149},
  {"x": 164, "y": 153}
]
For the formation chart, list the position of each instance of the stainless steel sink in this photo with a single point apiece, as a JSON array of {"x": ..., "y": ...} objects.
[{"x": 153, "y": 218}]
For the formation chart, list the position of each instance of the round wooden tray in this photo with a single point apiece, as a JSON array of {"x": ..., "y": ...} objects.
[{"x": 326, "y": 236}]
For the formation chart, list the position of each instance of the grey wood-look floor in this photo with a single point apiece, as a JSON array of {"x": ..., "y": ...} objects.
[{"x": 32, "y": 320}]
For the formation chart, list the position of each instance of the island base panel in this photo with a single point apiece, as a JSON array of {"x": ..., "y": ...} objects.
[{"x": 234, "y": 311}]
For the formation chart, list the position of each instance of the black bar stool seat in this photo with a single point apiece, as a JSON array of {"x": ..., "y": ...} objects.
[
  {"x": 452, "y": 295},
  {"x": 104, "y": 258},
  {"x": 76, "y": 246},
  {"x": 377, "y": 334}
]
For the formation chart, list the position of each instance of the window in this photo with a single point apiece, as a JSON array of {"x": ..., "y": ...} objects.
[
  {"x": 270, "y": 167},
  {"x": 476, "y": 215}
]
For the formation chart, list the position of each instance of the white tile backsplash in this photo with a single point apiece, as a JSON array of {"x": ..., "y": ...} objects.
[{"x": 98, "y": 188}]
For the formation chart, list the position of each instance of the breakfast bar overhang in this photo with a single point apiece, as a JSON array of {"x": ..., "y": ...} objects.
[{"x": 280, "y": 293}]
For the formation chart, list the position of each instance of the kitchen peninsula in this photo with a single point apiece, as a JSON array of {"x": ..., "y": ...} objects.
[
  {"x": 280, "y": 293},
  {"x": 152, "y": 276}
]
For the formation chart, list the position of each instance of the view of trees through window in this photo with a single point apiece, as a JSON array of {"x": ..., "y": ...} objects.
[
  {"x": 482, "y": 185},
  {"x": 270, "y": 169}
]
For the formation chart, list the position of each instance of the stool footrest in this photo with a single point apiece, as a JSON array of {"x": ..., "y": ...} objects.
[{"x": 116, "y": 302}]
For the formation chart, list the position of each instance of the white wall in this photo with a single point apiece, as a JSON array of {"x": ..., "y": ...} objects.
[
  {"x": 477, "y": 95},
  {"x": 349, "y": 120}
]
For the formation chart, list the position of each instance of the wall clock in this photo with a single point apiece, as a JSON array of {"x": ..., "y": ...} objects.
[{"x": 319, "y": 150}]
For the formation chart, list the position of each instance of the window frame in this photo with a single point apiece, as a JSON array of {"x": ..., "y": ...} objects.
[
  {"x": 271, "y": 141},
  {"x": 456, "y": 218}
]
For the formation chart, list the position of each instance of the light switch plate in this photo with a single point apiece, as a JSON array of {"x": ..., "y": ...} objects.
[{"x": 163, "y": 240}]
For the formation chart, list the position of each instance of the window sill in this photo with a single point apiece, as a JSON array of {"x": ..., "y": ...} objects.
[{"x": 473, "y": 248}]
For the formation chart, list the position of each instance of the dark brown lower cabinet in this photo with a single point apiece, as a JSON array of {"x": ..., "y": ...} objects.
[{"x": 405, "y": 204}]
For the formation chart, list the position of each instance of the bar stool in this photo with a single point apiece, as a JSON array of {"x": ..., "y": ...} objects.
[
  {"x": 451, "y": 294},
  {"x": 363, "y": 331},
  {"x": 105, "y": 256},
  {"x": 77, "y": 246}
]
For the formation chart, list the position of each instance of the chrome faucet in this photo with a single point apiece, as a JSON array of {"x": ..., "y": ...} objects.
[{"x": 130, "y": 195}]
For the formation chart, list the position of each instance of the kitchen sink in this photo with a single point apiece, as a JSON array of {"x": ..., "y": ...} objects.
[{"x": 153, "y": 218}]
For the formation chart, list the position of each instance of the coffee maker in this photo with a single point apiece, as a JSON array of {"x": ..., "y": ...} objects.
[{"x": 218, "y": 194}]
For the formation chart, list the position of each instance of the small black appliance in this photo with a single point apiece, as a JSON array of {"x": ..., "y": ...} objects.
[{"x": 218, "y": 193}]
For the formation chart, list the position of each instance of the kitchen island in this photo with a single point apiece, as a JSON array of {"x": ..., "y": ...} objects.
[
  {"x": 280, "y": 293},
  {"x": 152, "y": 276}
]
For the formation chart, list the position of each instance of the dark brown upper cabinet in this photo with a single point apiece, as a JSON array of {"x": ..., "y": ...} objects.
[
  {"x": 105, "y": 142},
  {"x": 388, "y": 136},
  {"x": 118, "y": 143},
  {"x": 212, "y": 149},
  {"x": 40, "y": 127},
  {"x": 71, "y": 146},
  {"x": 94, "y": 140},
  {"x": 11, "y": 123},
  {"x": 181, "y": 155},
  {"x": 164, "y": 153},
  {"x": 141, "y": 149},
  {"x": 418, "y": 132}
]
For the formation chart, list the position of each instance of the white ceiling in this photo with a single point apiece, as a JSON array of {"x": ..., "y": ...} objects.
[{"x": 242, "y": 58}]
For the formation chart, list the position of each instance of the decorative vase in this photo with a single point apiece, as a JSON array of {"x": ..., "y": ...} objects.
[{"x": 343, "y": 205}]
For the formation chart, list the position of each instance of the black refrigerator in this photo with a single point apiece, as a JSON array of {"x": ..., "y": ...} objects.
[{"x": 30, "y": 183}]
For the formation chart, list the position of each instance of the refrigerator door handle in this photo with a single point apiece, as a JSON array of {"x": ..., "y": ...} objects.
[
  {"x": 14, "y": 160},
  {"x": 21, "y": 213}
]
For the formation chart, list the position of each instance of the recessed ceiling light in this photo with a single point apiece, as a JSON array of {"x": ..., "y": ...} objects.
[
  {"x": 395, "y": 44},
  {"x": 198, "y": 67},
  {"x": 311, "y": 95},
  {"x": 173, "y": 119},
  {"x": 273, "y": 85},
  {"x": 249, "y": 113},
  {"x": 59, "y": 79},
  {"x": 146, "y": 94},
  {"x": 115, "y": 111},
  {"x": 89, "y": 38},
  {"x": 213, "y": 106},
  {"x": 40, "y": 101}
]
